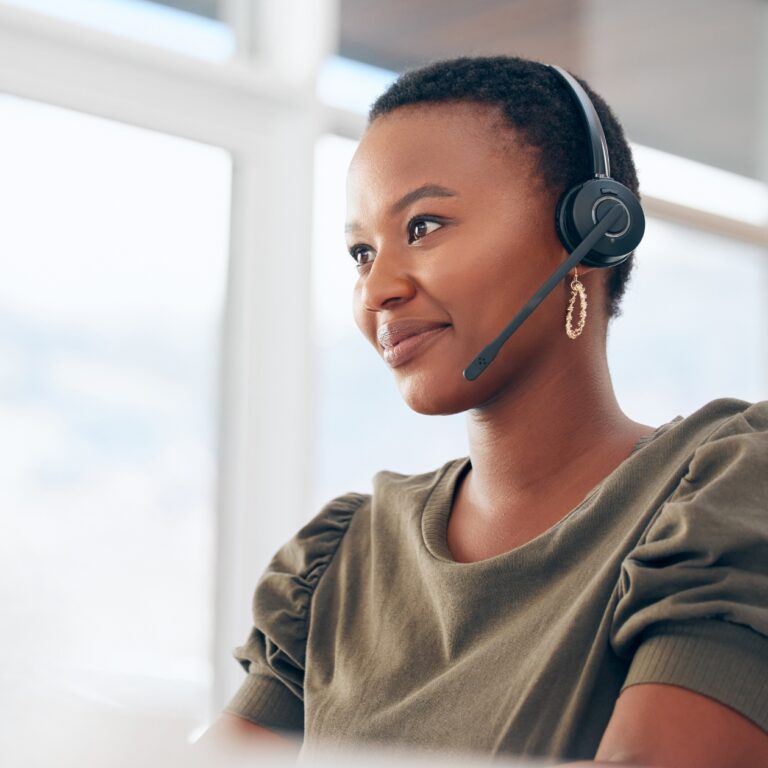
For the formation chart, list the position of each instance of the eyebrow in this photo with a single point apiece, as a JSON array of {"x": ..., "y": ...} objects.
[{"x": 425, "y": 190}]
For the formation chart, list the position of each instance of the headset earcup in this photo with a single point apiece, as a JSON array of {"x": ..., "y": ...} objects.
[
  {"x": 564, "y": 220},
  {"x": 582, "y": 206}
]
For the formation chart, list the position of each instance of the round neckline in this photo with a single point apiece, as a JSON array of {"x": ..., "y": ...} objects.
[{"x": 437, "y": 508}]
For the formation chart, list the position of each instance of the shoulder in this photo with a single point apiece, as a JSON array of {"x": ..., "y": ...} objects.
[
  {"x": 310, "y": 551},
  {"x": 702, "y": 555},
  {"x": 720, "y": 496},
  {"x": 729, "y": 450},
  {"x": 722, "y": 431},
  {"x": 723, "y": 417},
  {"x": 305, "y": 556}
]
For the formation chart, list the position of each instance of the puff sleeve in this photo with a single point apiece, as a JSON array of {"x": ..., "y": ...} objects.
[
  {"x": 693, "y": 594},
  {"x": 273, "y": 655}
]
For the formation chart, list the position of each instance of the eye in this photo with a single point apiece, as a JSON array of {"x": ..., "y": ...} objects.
[
  {"x": 362, "y": 254},
  {"x": 420, "y": 227}
]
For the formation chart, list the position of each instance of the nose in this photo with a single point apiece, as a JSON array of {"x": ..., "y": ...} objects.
[{"x": 387, "y": 281}]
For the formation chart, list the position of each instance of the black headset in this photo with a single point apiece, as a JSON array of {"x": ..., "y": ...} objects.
[
  {"x": 600, "y": 221},
  {"x": 584, "y": 205}
]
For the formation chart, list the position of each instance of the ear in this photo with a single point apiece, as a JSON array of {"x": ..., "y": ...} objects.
[{"x": 582, "y": 269}]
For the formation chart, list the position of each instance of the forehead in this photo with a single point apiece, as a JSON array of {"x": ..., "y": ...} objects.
[{"x": 458, "y": 145}]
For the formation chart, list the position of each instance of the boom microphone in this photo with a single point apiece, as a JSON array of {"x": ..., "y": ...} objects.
[{"x": 486, "y": 357}]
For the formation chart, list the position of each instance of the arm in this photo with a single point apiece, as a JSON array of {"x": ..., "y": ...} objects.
[
  {"x": 664, "y": 725},
  {"x": 233, "y": 732}
]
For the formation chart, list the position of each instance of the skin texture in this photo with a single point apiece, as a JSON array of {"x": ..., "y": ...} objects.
[
  {"x": 543, "y": 422},
  {"x": 663, "y": 725}
]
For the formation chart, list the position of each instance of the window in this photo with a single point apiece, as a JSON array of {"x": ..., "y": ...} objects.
[
  {"x": 192, "y": 28},
  {"x": 113, "y": 255},
  {"x": 694, "y": 324}
]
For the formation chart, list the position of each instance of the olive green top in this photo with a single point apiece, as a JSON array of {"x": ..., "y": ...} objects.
[{"x": 367, "y": 630}]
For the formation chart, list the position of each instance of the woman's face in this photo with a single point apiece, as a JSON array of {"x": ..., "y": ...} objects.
[{"x": 453, "y": 232}]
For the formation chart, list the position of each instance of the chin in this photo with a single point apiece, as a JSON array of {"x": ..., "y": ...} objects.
[{"x": 433, "y": 394}]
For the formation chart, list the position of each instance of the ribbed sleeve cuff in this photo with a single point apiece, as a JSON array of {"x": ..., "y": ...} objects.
[
  {"x": 725, "y": 661},
  {"x": 267, "y": 702}
]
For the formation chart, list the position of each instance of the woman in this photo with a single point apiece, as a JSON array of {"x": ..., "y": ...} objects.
[{"x": 581, "y": 586}]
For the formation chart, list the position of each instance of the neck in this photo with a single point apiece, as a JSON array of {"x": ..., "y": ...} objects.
[{"x": 553, "y": 436}]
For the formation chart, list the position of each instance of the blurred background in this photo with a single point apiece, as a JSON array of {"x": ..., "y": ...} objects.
[{"x": 181, "y": 381}]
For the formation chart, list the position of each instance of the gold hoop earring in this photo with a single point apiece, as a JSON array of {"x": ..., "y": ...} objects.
[{"x": 577, "y": 289}]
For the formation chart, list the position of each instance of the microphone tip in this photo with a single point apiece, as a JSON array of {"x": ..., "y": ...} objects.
[{"x": 476, "y": 367}]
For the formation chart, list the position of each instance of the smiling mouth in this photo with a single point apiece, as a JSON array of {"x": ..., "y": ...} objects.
[{"x": 409, "y": 347}]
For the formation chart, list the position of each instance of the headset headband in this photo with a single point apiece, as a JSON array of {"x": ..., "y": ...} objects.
[{"x": 597, "y": 144}]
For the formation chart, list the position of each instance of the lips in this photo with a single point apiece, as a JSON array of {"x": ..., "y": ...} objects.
[
  {"x": 404, "y": 339},
  {"x": 391, "y": 334}
]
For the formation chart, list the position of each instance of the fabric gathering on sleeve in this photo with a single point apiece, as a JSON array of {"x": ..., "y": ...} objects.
[
  {"x": 273, "y": 655},
  {"x": 693, "y": 594}
]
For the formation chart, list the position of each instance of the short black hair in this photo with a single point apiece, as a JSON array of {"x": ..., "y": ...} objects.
[{"x": 538, "y": 105}]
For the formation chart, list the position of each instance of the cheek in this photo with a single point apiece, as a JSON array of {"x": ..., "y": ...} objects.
[
  {"x": 495, "y": 281},
  {"x": 365, "y": 321},
  {"x": 526, "y": 251},
  {"x": 487, "y": 268}
]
